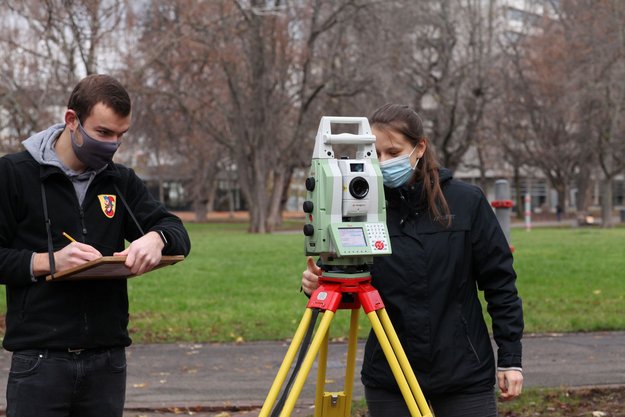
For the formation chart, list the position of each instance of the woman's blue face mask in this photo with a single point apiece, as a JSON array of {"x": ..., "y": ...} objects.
[{"x": 397, "y": 171}]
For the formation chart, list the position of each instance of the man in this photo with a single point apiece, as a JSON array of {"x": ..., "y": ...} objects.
[{"x": 68, "y": 338}]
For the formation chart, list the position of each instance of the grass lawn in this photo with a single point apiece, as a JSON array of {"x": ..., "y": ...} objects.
[
  {"x": 571, "y": 279},
  {"x": 234, "y": 286},
  {"x": 240, "y": 287}
]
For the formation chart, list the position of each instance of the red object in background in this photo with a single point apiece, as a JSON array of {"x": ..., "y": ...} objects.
[{"x": 502, "y": 204}]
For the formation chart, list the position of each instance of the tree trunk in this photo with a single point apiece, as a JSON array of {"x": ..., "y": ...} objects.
[
  {"x": 606, "y": 203},
  {"x": 275, "y": 209},
  {"x": 201, "y": 210},
  {"x": 562, "y": 200},
  {"x": 583, "y": 191},
  {"x": 259, "y": 203}
]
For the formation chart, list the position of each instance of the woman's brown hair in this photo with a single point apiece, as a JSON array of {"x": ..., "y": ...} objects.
[{"x": 402, "y": 119}]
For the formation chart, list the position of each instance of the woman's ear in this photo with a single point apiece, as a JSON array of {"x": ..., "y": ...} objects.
[{"x": 421, "y": 147}]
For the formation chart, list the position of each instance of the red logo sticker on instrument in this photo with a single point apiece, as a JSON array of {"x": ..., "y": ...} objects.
[{"x": 379, "y": 245}]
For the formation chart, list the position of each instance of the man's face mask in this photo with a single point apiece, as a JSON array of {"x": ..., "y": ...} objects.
[
  {"x": 95, "y": 154},
  {"x": 397, "y": 171}
]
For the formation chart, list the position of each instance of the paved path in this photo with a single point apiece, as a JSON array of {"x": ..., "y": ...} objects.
[{"x": 213, "y": 377}]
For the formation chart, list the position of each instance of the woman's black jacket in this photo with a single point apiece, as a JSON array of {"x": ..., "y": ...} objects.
[
  {"x": 430, "y": 289},
  {"x": 70, "y": 314}
]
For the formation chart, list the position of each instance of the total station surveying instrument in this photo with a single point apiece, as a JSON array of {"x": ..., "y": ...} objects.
[{"x": 346, "y": 228}]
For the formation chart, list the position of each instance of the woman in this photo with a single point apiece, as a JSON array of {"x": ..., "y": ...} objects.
[{"x": 446, "y": 244}]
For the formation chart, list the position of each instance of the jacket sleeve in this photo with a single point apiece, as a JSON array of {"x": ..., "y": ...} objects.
[
  {"x": 152, "y": 215},
  {"x": 496, "y": 277},
  {"x": 14, "y": 263}
]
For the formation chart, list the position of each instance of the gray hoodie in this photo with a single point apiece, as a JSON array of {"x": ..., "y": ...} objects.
[{"x": 41, "y": 147}]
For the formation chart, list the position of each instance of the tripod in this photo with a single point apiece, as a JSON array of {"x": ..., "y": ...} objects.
[{"x": 342, "y": 291}]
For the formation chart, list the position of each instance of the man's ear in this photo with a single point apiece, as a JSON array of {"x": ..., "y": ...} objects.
[{"x": 71, "y": 119}]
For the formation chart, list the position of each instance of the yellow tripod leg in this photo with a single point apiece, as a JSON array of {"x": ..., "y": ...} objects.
[
  {"x": 394, "y": 364},
  {"x": 337, "y": 404},
  {"x": 321, "y": 375},
  {"x": 286, "y": 364},
  {"x": 352, "y": 349},
  {"x": 404, "y": 363},
  {"x": 307, "y": 363}
]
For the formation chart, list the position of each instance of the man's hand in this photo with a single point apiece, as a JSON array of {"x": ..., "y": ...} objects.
[
  {"x": 144, "y": 253},
  {"x": 310, "y": 277},
  {"x": 510, "y": 384},
  {"x": 70, "y": 256}
]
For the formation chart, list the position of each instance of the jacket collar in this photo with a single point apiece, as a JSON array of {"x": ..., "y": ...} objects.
[
  {"x": 410, "y": 200},
  {"x": 412, "y": 195},
  {"x": 46, "y": 171}
]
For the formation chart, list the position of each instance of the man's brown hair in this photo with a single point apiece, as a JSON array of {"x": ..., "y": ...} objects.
[{"x": 99, "y": 88}]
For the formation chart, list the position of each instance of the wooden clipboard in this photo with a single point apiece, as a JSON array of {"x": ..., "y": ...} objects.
[{"x": 107, "y": 267}]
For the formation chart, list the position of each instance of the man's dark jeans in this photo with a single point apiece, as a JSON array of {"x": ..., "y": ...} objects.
[{"x": 53, "y": 383}]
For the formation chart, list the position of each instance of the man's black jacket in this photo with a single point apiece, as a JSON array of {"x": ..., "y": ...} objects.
[
  {"x": 76, "y": 314},
  {"x": 429, "y": 286}
]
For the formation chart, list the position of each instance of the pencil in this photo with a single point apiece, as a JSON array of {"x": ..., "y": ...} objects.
[{"x": 69, "y": 237}]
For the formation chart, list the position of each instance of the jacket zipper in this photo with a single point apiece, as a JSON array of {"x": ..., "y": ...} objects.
[
  {"x": 81, "y": 212},
  {"x": 405, "y": 209},
  {"x": 82, "y": 222},
  {"x": 83, "y": 230}
]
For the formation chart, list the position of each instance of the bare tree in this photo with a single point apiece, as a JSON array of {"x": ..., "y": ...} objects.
[
  {"x": 239, "y": 82},
  {"x": 168, "y": 72},
  {"x": 535, "y": 107},
  {"x": 598, "y": 38},
  {"x": 583, "y": 52},
  {"x": 436, "y": 55},
  {"x": 267, "y": 71},
  {"x": 45, "y": 48}
]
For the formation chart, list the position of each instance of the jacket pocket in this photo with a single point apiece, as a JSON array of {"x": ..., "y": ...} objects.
[{"x": 465, "y": 325}]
